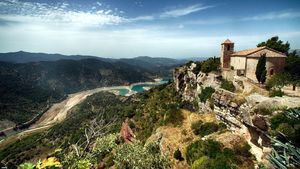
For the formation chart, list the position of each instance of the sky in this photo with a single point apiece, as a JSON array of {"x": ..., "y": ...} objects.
[{"x": 156, "y": 28}]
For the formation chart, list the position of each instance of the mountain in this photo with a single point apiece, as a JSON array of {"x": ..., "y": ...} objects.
[
  {"x": 26, "y": 89},
  {"x": 25, "y": 57},
  {"x": 159, "y": 66}
]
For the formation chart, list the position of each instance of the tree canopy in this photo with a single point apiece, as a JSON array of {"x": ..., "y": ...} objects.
[{"x": 276, "y": 44}]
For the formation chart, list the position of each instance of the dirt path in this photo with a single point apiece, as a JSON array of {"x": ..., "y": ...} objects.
[{"x": 57, "y": 113}]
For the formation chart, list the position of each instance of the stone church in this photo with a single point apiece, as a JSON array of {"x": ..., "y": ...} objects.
[{"x": 243, "y": 63}]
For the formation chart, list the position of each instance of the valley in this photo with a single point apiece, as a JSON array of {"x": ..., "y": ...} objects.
[{"x": 59, "y": 111}]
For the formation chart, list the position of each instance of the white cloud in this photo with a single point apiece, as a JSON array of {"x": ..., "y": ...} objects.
[
  {"x": 273, "y": 15},
  {"x": 58, "y": 15},
  {"x": 184, "y": 11}
]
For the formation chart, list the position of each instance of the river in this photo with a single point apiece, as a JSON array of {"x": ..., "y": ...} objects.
[{"x": 59, "y": 111}]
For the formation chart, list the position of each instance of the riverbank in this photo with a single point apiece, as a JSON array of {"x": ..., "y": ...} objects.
[{"x": 59, "y": 111}]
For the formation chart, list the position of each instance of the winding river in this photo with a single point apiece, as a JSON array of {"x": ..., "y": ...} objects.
[{"x": 59, "y": 111}]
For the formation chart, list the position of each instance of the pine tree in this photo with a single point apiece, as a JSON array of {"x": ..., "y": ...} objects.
[{"x": 261, "y": 71}]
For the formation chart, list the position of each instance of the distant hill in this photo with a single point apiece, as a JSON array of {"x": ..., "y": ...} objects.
[
  {"x": 26, "y": 88},
  {"x": 160, "y": 66}
]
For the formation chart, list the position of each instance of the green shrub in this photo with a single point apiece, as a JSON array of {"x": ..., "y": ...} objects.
[
  {"x": 178, "y": 155},
  {"x": 201, "y": 148},
  {"x": 203, "y": 129},
  {"x": 136, "y": 155},
  {"x": 206, "y": 93},
  {"x": 201, "y": 163},
  {"x": 286, "y": 129},
  {"x": 227, "y": 85},
  {"x": 105, "y": 144},
  {"x": 211, "y": 64},
  {"x": 274, "y": 93}
]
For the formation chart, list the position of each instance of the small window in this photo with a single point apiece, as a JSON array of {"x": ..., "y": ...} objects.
[
  {"x": 228, "y": 47},
  {"x": 271, "y": 72}
]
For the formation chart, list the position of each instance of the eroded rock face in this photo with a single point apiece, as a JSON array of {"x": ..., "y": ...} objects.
[{"x": 186, "y": 82}]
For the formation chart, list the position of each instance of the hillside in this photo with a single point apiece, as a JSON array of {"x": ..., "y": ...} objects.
[
  {"x": 29, "y": 88},
  {"x": 159, "y": 66}
]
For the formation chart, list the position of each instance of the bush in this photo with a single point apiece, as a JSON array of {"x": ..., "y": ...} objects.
[
  {"x": 105, "y": 144},
  {"x": 178, "y": 155},
  {"x": 206, "y": 93},
  {"x": 201, "y": 163},
  {"x": 274, "y": 93},
  {"x": 286, "y": 129},
  {"x": 201, "y": 148},
  {"x": 138, "y": 156},
  {"x": 203, "y": 129},
  {"x": 211, "y": 64},
  {"x": 227, "y": 85}
]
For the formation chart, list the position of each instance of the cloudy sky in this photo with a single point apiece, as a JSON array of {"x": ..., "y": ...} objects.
[{"x": 158, "y": 28}]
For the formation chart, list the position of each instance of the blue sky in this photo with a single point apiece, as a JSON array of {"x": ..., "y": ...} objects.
[{"x": 157, "y": 28}]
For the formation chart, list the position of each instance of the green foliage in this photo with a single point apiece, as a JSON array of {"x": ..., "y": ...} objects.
[
  {"x": 27, "y": 166},
  {"x": 203, "y": 129},
  {"x": 211, "y": 64},
  {"x": 201, "y": 148},
  {"x": 197, "y": 69},
  {"x": 286, "y": 129},
  {"x": 178, "y": 155},
  {"x": 206, "y": 93},
  {"x": 227, "y": 85},
  {"x": 136, "y": 155},
  {"x": 277, "y": 81},
  {"x": 274, "y": 93},
  {"x": 212, "y": 155},
  {"x": 276, "y": 44},
  {"x": 287, "y": 123},
  {"x": 284, "y": 155},
  {"x": 201, "y": 163},
  {"x": 105, "y": 144},
  {"x": 83, "y": 164},
  {"x": 261, "y": 71}
]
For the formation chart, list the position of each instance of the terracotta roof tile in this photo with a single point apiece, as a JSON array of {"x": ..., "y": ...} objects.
[{"x": 257, "y": 52}]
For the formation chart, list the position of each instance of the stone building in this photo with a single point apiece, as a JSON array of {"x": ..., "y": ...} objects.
[{"x": 243, "y": 63}]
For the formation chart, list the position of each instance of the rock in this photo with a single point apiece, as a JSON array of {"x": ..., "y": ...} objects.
[{"x": 260, "y": 122}]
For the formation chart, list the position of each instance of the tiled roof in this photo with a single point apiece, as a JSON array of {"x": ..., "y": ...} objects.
[
  {"x": 256, "y": 52},
  {"x": 227, "y": 41}
]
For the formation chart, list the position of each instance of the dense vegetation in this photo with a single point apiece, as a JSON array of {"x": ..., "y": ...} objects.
[
  {"x": 147, "y": 110},
  {"x": 203, "y": 129},
  {"x": 227, "y": 85},
  {"x": 209, "y": 65},
  {"x": 287, "y": 124},
  {"x": 27, "y": 89},
  {"x": 206, "y": 93},
  {"x": 212, "y": 154}
]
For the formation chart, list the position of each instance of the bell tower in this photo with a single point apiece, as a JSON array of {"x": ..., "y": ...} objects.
[{"x": 227, "y": 48}]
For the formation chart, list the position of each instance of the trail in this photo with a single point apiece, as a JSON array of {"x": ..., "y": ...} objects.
[{"x": 59, "y": 111}]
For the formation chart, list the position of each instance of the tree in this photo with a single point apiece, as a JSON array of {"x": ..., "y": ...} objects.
[
  {"x": 276, "y": 44},
  {"x": 293, "y": 69},
  {"x": 261, "y": 71}
]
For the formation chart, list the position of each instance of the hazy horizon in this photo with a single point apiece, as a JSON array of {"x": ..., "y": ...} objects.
[{"x": 131, "y": 28}]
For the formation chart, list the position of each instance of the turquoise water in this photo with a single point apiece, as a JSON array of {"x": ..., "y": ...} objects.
[
  {"x": 140, "y": 87},
  {"x": 123, "y": 92}
]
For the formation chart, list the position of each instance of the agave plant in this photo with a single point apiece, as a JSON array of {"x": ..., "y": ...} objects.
[{"x": 285, "y": 155}]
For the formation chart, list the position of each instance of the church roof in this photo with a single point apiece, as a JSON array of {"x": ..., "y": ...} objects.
[
  {"x": 256, "y": 52},
  {"x": 227, "y": 41}
]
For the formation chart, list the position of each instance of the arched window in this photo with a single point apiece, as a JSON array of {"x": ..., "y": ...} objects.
[
  {"x": 271, "y": 72},
  {"x": 228, "y": 47}
]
